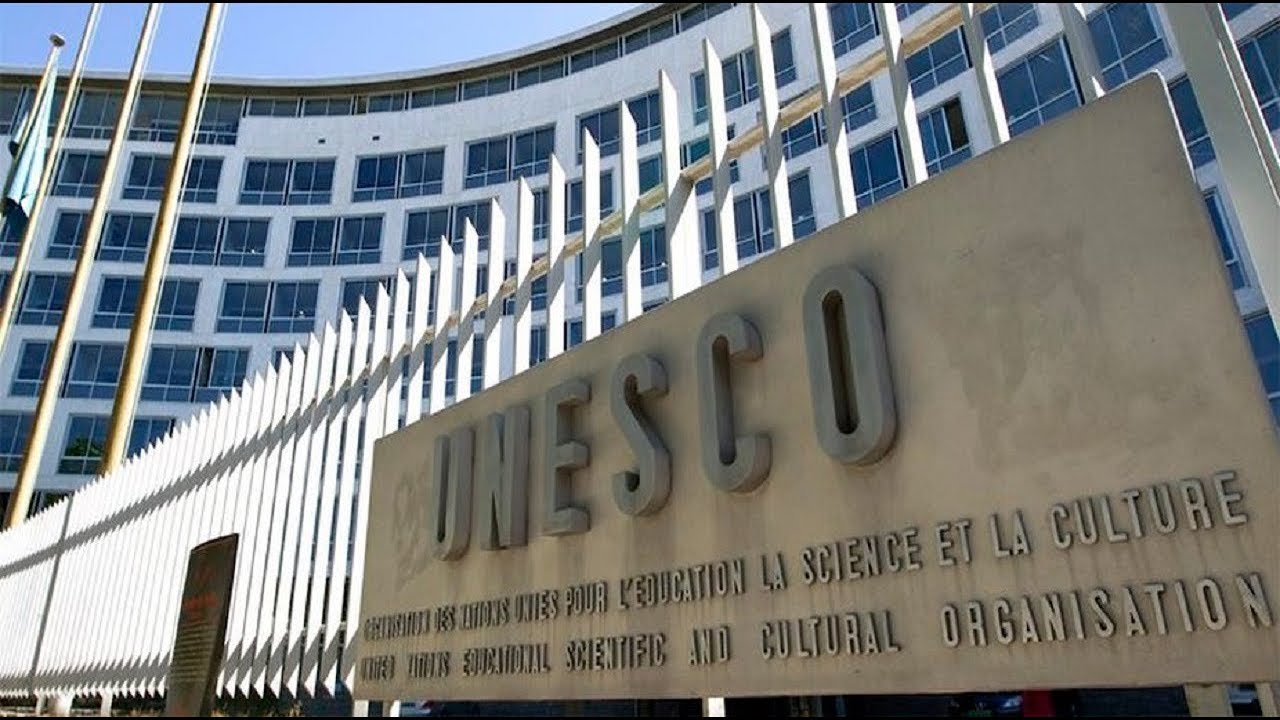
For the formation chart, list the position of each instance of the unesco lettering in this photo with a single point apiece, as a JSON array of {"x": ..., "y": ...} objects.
[{"x": 850, "y": 391}]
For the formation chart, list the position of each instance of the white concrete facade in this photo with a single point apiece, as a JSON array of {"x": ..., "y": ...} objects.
[{"x": 560, "y": 102}]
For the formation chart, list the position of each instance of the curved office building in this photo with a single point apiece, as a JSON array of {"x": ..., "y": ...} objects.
[{"x": 303, "y": 196}]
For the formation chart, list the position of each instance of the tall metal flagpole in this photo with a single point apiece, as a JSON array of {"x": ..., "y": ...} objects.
[
  {"x": 158, "y": 256},
  {"x": 17, "y": 273},
  {"x": 56, "y": 365}
]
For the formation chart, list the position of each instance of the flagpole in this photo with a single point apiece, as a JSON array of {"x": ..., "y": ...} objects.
[
  {"x": 20, "y": 139},
  {"x": 126, "y": 402},
  {"x": 59, "y": 354}
]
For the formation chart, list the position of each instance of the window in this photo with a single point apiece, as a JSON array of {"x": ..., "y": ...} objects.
[
  {"x": 68, "y": 235},
  {"x": 1226, "y": 240},
  {"x": 146, "y": 430},
  {"x": 265, "y": 182},
  {"x": 287, "y": 182},
  {"x": 646, "y": 110},
  {"x": 1038, "y": 88},
  {"x": 509, "y": 271},
  {"x": 201, "y": 183},
  {"x": 94, "y": 371},
  {"x": 573, "y": 333},
  {"x": 423, "y": 173},
  {"x": 44, "y": 299},
  {"x": 1231, "y": 10},
  {"x": 741, "y": 85},
  {"x": 573, "y": 216},
  {"x": 477, "y": 362},
  {"x": 784, "y": 62},
  {"x": 320, "y": 107},
  {"x": 233, "y": 242},
  {"x": 803, "y": 222},
  {"x": 497, "y": 160},
  {"x": 603, "y": 125},
  {"x": 942, "y": 60},
  {"x": 220, "y": 370},
  {"x": 376, "y": 177},
  {"x": 1194, "y": 134},
  {"x": 195, "y": 242},
  {"x": 244, "y": 307},
  {"x": 945, "y": 139},
  {"x": 79, "y": 174},
  {"x": 387, "y": 102},
  {"x": 608, "y": 320},
  {"x": 851, "y": 25},
  {"x": 804, "y": 136},
  {"x": 710, "y": 246},
  {"x": 13, "y": 103},
  {"x": 95, "y": 114},
  {"x": 1127, "y": 40},
  {"x": 14, "y": 225},
  {"x": 244, "y": 243},
  {"x": 537, "y": 344},
  {"x": 157, "y": 118},
  {"x": 859, "y": 107},
  {"x": 531, "y": 152},
  {"x": 653, "y": 256},
  {"x": 485, "y": 87},
  {"x": 171, "y": 373},
  {"x": 1266, "y": 351},
  {"x": 423, "y": 230},
  {"x": 353, "y": 291},
  {"x": 431, "y": 97},
  {"x": 293, "y": 307},
  {"x": 272, "y": 107},
  {"x": 359, "y": 240},
  {"x": 312, "y": 182},
  {"x": 15, "y": 430},
  {"x": 594, "y": 56},
  {"x": 540, "y": 73},
  {"x": 85, "y": 439},
  {"x": 1261, "y": 56},
  {"x": 877, "y": 169},
  {"x": 29, "y": 374},
  {"x": 699, "y": 82},
  {"x": 1003, "y": 23},
  {"x": 610, "y": 266},
  {"x": 450, "y": 368},
  {"x": 650, "y": 173},
  {"x": 117, "y": 302},
  {"x": 487, "y": 162},
  {"x": 177, "y": 309},
  {"x": 905, "y": 10},
  {"x": 541, "y": 217},
  {"x": 478, "y": 214},
  {"x": 753, "y": 221},
  {"x": 126, "y": 238}
]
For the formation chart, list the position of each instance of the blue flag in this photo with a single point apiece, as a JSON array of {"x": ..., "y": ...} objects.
[{"x": 28, "y": 147}]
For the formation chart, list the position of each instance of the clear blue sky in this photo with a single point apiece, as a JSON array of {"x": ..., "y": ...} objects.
[{"x": 299, "y": 40}]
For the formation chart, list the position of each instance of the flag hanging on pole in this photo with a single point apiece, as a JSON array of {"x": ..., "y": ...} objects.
[{"x": 28, "y": 148}]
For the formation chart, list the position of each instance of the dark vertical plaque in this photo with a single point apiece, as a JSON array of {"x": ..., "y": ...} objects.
[{"x": 202, "y": 628}]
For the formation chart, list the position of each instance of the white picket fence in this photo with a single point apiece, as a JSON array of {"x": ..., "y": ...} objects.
[{"x": 89, "y": 588}]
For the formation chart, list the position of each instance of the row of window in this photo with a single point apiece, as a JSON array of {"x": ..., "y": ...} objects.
[
  {"x": 157, "y": 117},
  {"x": 174, "y": 373},
  {"x": 1035, "y": 88},
  {"x": 740, "y": 75},
  {"x": 82, "y": 450}
]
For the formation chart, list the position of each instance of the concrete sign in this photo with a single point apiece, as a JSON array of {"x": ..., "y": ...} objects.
[{"x": 1000, "y": 431}]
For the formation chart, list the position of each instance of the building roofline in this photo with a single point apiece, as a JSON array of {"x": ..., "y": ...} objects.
[{"x": 446, "y": 74}]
